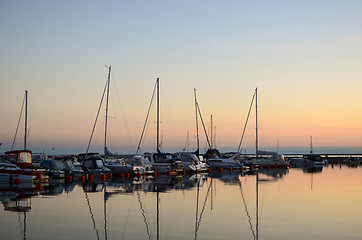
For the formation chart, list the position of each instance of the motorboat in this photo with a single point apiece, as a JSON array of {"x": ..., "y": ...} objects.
[
  {"x": 11, "y": 173},
  {"x": 71, "y": 166},
  {"x": 225, "y": 162},
  {"x": 164, "y": 163},
  {"x": 56, "y": 167},
  {"x": 190, "y": 161},
  {"x": 141, "y": 161},
  {"x": 308, "y": 160},
  {"x": 119, "y": 166},
  {"x": 93, "y": 163},
  {"x": 22, "y": 159},
  {"x": 270, "y": 159}
]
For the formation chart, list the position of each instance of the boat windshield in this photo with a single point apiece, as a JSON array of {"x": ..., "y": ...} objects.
[
  {"x": 99, "y": 163},
  {"x": 69, "y": 165},
  {"x": 25, "y": 157},
  {"x": 58, "y": 165},
  {"x": 146, "y": 161}
]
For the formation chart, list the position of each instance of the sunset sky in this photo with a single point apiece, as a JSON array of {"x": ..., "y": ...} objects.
[{"x": 305, "y": 58}]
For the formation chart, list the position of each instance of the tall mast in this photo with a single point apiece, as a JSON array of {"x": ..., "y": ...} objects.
[
  {"x": 158, "y": 114},
  {"x": 26, "y": 117},
  {"x": 311, "y": 145},
  {"x": 106, "y": 122},
  {"x": 215, "y": 137},
  {"x": 197, "y": 124},
  {"x": 256, "y": 123},
  {"x": 211, "y": 133}
]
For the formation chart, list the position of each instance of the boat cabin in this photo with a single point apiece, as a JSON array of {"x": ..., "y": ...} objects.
[
  {"x": 92, "y": 162},
  {"x": 56, "y": 167},
  {"x": 22, "y": 158}
]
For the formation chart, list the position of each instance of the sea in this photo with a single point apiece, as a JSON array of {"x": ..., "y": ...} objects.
[{"x": 321, "y": 203}]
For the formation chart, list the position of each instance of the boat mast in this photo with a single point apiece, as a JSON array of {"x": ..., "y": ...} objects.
[
  {"x": 311, "y": 145},
  {"x": 211, "y": 134},
  {"x": 197, "y": 125},
  {"x": 26, "y": 117},
  {"x": 158, "y": 115},
  {"x": 256, "y": 123},
  {"x": 106, "y": 122}
]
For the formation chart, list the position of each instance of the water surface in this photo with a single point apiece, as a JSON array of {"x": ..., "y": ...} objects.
[{"x": 272, "y": 204}]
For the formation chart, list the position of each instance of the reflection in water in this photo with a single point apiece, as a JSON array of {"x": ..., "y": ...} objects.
[
  {"x": 198, "y": 220},
  {"x": 246, "y": 210},
  {"x": 144, "y": 216},
  {"x": 91, "y": 214},
  {"x": 176, "y": 207},
  {"x": 17, "y": 198}
]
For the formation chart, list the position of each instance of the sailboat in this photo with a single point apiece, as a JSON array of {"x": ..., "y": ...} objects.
[
  {"x": 310, "y": 159},
  {"x": 17, "y": 165},
  {"x": 273, "y": 158},
  {"x": 161, "y": 162},
  {"x": 191, "y": 160},
  {"x": 93, "y": 162},
  {"x": 231, "y": 162}
]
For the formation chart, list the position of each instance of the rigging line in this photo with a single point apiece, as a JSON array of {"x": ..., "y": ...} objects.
[
  {"x": 91, "y": 213},
  {"x": 124, "y": 118},
  {"x": 246, "y": 122},
  {"x": 17, "y": 127},
  {"x": 203, "y": 125},
  {"x": 95, "y": 122},
  {"x": 146, "y": 121},
  {"x": 144, "y": 216},
  {"x": 246, "y": 209},
  {"x": 171, "y": 117},
  {"x": 204, "y": 206}
]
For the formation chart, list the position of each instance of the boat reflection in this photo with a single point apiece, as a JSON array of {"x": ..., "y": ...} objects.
[{"x": 17, "y": 198}]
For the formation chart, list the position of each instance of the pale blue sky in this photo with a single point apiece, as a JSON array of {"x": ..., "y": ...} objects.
[{"x": 304, "y": 56}]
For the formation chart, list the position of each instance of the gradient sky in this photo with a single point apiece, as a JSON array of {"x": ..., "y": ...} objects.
[{"x": 305, "y": 57}]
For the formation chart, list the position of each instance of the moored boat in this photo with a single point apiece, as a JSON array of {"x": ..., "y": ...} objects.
[
  {"x": 17, "y": 164},
  {"x": 93, "y": 163}
]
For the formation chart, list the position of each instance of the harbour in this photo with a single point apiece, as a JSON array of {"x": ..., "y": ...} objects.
[
  {"x": 265, "y": 204},
  {"x": 180, "y": 120}
]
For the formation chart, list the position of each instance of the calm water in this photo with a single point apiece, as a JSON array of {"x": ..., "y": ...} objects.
[{"x": 282, "y": 204}]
